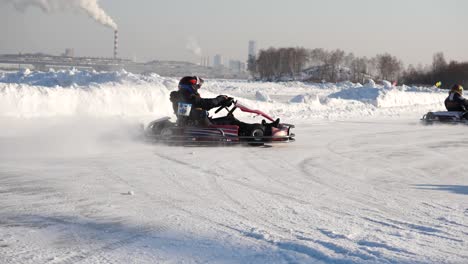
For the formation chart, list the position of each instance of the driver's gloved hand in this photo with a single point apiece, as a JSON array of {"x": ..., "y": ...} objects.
[
  {"x": 221, "y": 98},
  {"x": 224, "y": 100},
  {"x": 227, "y": 102}
]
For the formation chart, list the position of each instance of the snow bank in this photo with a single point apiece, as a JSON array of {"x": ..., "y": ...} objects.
[
  {"x": 370, "y": 83},
  {"x": 387, "y": 84},
  {"x": 101, "y": 94},
  {"x": 390, "y": 97},
  {"x": 66, "y": 93},
  {"x": 73, "y": 77},
  {"x": 366, "y": 94},
  {"x": 262, "y": 96},
  {"x": 125, "y": 100},
  {"x": 306, "y": 98}
]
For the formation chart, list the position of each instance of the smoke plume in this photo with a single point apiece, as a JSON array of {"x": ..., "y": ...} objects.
[
  {"x": 192, "y": 46},
  {"x": 90, "y": 7}
]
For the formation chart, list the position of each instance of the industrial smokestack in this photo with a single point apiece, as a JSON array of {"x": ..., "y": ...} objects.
[
  {"x": 90, "y": 7},
  {"x": 116, "y": 43}
]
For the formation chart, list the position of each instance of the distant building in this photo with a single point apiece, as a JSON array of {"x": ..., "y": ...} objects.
[
  {"x": 252, "y": 48},
  {"x": 69, "y": 53},
  {"x": 237, "y": 66},
  {"x": 205, "y": 61},
  {"x": 217, "y": 61}
]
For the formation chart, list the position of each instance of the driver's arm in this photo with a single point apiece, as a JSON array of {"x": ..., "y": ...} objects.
[
  {"x": 208, "y": 103},
  {"x": 464, "y": 102}
]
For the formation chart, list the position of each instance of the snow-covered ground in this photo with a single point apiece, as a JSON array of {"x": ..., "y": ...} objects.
[{"x": 364, "y": 183}]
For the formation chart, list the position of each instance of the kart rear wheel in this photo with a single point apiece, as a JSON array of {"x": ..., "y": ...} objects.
[
  {"x": 256, "y": 135},
  {"x": 430, "y": 116},
  {"x": 158, "y": 128}
]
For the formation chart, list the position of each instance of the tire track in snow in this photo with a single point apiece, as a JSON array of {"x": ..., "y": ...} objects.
[
  {"x": 30, "y": 190},
  {"x": 243, "y": 184},
  {"x": 287, "y": 246},
  {"x": 101, "y": 251},
  {"x": 105, "y": 249},
  {"x": 350, "y": 156},
  {"x": 255, "y": 164},
  {"x": 236, "y": 213},
  {"x": 213, "y": 176},
  {"x": 333, "y": 147},
  {"x": 241, "y": 207}
]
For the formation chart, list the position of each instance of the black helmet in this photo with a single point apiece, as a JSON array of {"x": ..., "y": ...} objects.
[
  {"x": 191, "y": 83},
  {"x": 457, "y": 89}
]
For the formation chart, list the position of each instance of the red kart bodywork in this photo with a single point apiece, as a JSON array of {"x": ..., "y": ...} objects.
[{"x": 218, "y": 133}]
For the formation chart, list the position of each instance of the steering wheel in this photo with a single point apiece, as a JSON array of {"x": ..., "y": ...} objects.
[{"x": 225, "y": 104}]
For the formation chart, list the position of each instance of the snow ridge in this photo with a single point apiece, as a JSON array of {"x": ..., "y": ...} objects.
[{"x": 73, "y": 92}]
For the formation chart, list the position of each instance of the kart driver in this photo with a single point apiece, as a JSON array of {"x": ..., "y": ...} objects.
[
  {"x": 455, "y": 101},
  {"x": 192, "y": 110}
]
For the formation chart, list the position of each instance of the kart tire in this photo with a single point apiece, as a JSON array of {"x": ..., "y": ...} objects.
[
  {"x": 256, "y": 134},
  {"x": 429, "y": 116},
  {"x": 161, "y": 129}
]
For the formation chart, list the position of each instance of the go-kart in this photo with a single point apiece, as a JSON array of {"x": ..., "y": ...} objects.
[
  {"x": 165, "y": 131},
  {"x": 446, "y": 117}
]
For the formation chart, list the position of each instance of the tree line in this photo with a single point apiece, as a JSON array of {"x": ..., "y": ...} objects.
[
  {"x": 448, "y": 73},
  {"x": 276, "y": 64},
  {"x": 321, "y": 65}
]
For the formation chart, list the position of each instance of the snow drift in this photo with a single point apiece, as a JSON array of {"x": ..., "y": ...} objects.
[
  {"x": 389, "y": 97},
  {"x": 68, "y": 93},
  {"x": 90, "y": 93}
]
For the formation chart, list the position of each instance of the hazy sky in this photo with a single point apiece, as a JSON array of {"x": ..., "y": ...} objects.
[{"x": 150, "y": 29}]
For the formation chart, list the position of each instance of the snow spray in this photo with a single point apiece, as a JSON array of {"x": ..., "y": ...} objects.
[{"x": 90, "y": 7}]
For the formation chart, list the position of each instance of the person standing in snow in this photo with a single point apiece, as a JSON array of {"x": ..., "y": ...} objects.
[{"x": 455, "y": 101}]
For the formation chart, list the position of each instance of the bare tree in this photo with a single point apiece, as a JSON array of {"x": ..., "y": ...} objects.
[
  {"x": 274, "y": 64},
  {"x": 320, "y": 57},
  {"x": 301, "y": 57},
  {"x": 438, "y": 62},
  {"x": 359, "y": 69},
  {"x": 349, "y": 59},
  {"x": 335, "y": 60},
  {"x": 389, "y": 66},
  {"x": 252, "y": 65},
  {"x": 265, "y": 63},
  {"x": 284, "y": 67}
]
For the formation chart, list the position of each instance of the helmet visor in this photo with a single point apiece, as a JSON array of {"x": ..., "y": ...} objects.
[{"x": 199, "y": 82}]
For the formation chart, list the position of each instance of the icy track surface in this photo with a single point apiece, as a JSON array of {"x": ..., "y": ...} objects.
[{"x": 364, "y": 183}]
